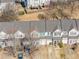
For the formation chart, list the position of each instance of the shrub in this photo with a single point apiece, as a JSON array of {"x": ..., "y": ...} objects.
[
  {"x": 60, "y": 45},
  {"x": 21, "y": 13},
  {"x": 62, "y": 55},
  {"x": 9, "y": 13},
  {"x": 41, "y": 16},
  {"x": 50, "y": 43}
]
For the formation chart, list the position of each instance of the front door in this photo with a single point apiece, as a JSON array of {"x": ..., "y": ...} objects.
[
  {"x": 55, "y": 42},
  {"x": 72, "y": 41}
]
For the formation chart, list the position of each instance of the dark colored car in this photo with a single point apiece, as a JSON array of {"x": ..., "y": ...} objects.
[{"x": 20, "y": 55}]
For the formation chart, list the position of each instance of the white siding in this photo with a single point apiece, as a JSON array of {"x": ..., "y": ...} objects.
[
  {"x": 64, "y": 33},
  {"x": 10, "y": 43},
  {"x": 41, "y": 2},
  {"x": 43, "y": 42},
  {"x": 46, "y": 2},
  {"x": 72, "y": 41},
  {"x": 19, "y": 34},
  {"x": 57, "y": 33},
  {"x": 33, "y": 3},
  {"x": 2, "y": 6},
  {"x": 2, "y": 44},
  {"x": 78, "y": 41},
  {"x": 36, "y": 3},
  {"x": 65, "y": 40}
]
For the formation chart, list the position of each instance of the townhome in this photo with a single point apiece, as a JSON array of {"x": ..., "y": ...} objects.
[
  {"x": 22, "y": 31},
  {"x": 56, "y": 32},
  {"x": 78, "y": 30},
  {"x": 6, "y": 30},
  {"x": 23, "y": 27},
  {"x": 19, "y": 37},
  {"x": 38, "y": 28},
  {"x": 34, "y": 3},
  {"x": 50, "y": 27},
  {"x": 41, "y": 32},
  {"x": 3, "y": 37},
  {"x": 65, "y": 30},
  {"x": 73, "y": 33}
]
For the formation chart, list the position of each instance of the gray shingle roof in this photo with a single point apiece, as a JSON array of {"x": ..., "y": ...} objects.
[
  {"x": 6, "y": 26},
  {"x": 66, "y": 24},
  {"x": 77, "y": 24},
  {"x": 52, "y": 25},
  {"x": 22, "y": 26},
  {"x": 38, "y": 25}
]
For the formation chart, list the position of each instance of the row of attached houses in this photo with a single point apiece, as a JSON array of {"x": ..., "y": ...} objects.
[
  {"x": 27, "y": 3},
  {"x": 34, "y": 3},
  {"x": 41, "y": 32}
]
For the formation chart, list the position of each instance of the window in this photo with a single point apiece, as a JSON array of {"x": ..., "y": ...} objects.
[
  {"x": 35, "y": 34},
  {"x": 73, "y": 32},
  {"x": 43, "y": 34},
  {"x": 64, "y": 33},
  {"x": 72, "y": 41},
  {"x": 56, "y": 34},
  {"x": 64, "y": 40}
]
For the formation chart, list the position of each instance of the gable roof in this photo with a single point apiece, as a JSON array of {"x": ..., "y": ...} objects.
[
  {"x": 3, "y": 35},
  {"x": 19, "y": 34},
  {"x": 57, "y": 30},
  {"x": 73, "y": 32}
]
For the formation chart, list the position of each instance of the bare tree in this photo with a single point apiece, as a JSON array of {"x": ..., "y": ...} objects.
[
  {"x": 59, "y": 9},
  {"x": 9, "y": 14},
  {"x": 42, "y": 17}
]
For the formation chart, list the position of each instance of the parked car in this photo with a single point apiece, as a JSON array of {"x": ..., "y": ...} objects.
[{"x": 20, "y": 54}]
